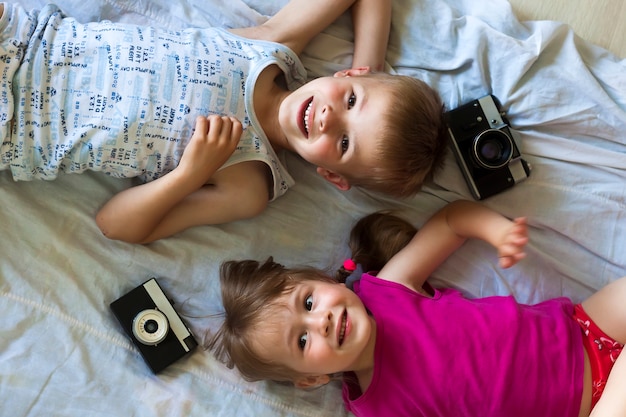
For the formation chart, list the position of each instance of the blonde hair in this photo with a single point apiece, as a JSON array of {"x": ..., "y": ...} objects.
[
  {"x": 250, "y": 291},
  {"x": 414, "y": 143}
]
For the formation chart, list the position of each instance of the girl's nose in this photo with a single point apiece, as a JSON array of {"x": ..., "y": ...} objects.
[{"x": 321, "y": 322}]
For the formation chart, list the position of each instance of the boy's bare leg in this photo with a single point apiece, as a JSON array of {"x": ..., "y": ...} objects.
[{"x": 1, "y": 10}]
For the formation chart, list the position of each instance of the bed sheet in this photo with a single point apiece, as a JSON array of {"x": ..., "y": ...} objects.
[{"x": 62, "y": 352}]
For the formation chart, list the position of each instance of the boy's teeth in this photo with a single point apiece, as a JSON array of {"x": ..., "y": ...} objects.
[{"x": 306, "y": 117}]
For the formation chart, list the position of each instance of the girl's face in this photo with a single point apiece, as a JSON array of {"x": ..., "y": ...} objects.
[
  {"x": 319, "y": 328},
  {"x": 335, "y": 122}
]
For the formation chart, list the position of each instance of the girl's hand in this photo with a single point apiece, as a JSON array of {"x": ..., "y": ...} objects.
[
  {"x": 511, "y": 246},
  {"x": 213, "y": 142}
]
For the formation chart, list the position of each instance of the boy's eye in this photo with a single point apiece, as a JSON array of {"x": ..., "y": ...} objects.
[
  {"x": 302, "y": 341},
  {"x": 345, "y": 144},
  {"x": 351, "y": 101},
  {"x": 308, "y": 303}
]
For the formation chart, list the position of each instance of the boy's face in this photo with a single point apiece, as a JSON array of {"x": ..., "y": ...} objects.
[
  {"x": 319, "y": 328},
  {"x": 335, "y": 122}
]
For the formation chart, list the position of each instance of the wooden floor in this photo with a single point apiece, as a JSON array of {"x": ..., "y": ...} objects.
[{"x": 602, "y": 22}]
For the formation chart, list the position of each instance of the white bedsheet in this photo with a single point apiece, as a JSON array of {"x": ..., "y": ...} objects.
[{"x": 62, "y": 353}]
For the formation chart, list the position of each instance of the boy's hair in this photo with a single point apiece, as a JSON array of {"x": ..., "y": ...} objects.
[
  {"x": 375, "y": 239},
  {"x": 414, "y": 142},
  {"x": 249, "y": 291}
]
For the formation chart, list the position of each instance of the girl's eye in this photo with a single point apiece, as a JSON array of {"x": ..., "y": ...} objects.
[
  {"x": 308, "y": 303},
  {"x": 302, "y": 341},
  {"x": 345, "y": 144},
  {"x": 351, "y": 101}
]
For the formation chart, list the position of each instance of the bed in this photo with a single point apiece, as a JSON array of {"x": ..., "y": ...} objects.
[{"x": 62, "y": 352}]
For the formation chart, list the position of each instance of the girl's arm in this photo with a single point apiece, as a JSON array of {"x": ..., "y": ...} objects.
[
  {"x": 445, "y": 232},
  {"x": 181, "y": 198},
  {"x": 300, "y": 20}
]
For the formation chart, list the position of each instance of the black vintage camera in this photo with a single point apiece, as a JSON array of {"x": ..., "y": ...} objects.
[
  {"x": 153, "y": 325},
  {"x": 484, "y": 147}
]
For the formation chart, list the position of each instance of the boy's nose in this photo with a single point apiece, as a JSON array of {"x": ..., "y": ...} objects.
[{"x": 328, "y": 117}]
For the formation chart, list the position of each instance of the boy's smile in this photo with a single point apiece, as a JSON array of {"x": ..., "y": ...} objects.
[
  {"x": 304, "y": 119},
  {"x": 335, "y": 122}
]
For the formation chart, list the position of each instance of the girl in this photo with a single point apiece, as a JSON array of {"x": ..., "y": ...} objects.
[
  {"x": 407, "y": 349},
  {"x": 201, "y": 115}
]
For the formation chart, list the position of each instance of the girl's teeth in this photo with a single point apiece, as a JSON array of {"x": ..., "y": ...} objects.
[{"x": 342, "y": 332}]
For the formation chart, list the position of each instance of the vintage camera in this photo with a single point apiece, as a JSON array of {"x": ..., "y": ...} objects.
[
  {"x": 153, "y": 325},
  {"x": 484, "y": 147}
]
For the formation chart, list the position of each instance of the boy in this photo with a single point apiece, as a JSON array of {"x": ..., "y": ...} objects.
[{"x": 129, "y": 100}]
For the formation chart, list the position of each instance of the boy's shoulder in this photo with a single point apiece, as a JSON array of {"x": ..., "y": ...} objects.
[{"x": 252, "y": 32}]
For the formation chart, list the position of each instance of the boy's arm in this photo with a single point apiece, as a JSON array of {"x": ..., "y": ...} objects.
[
  {"x": 446, "y": 231},
  {"x": 372, "y": 22},
  {"x": 181, "y": 198},
  {"x": 300, "y": 20}
]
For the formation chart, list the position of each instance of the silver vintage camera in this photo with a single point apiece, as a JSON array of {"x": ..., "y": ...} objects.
[
  {"x": 484, "y": 147},
  {"x": 153, "y": 325}
]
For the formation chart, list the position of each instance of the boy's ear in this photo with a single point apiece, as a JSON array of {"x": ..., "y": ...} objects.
[
  {"x": 334, "y": 178},
  {"x": 352, "y": 72},
  {"x": 311, "y": 381}
]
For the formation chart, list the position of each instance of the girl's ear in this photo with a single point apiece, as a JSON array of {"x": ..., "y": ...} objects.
[
  {"x": 311, "y": 381},
  {"x": 352, "y": 72},
  {"x": 334, "y": 178}
]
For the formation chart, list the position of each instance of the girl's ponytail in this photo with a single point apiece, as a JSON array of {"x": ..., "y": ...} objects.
[
  {"x": 374, "y": 240},
  {"x": 348, "y": 267}
]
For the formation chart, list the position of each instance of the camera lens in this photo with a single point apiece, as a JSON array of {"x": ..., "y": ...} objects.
[
  {"x": 150, "y": 327},
  {"x": 493, "y": 149}
]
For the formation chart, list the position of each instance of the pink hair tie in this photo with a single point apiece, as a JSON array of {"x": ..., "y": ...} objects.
[{"x": 349, "y": 265}]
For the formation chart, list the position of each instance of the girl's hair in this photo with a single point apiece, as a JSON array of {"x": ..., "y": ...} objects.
[
  {"x": 413, "y": 146},
  {"x": 249, "y": 290},
  {"x": 374, "y": 239}
]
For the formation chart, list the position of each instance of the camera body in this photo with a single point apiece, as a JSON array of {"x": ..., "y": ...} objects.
[
  {"x": 484, "y": 146},
  {"x": 149, "y": 318}
]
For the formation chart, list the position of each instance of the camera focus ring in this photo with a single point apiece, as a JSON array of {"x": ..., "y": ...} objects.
[
  {"x": 492, "y": 149},
  {"x": 150, "y": 327}
]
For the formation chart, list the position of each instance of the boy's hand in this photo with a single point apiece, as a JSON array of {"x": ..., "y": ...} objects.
[
  {"x": 213, "y": 142},
  {"x": 511, "y": 246}
]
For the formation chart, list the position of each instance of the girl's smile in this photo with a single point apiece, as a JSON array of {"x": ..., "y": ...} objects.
[
  {"x": 343, "y": 328},
  {"x": 322, "y": 328}
]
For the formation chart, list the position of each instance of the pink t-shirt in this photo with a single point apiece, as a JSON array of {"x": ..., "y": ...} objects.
[{"x": 453, "y": 356}]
